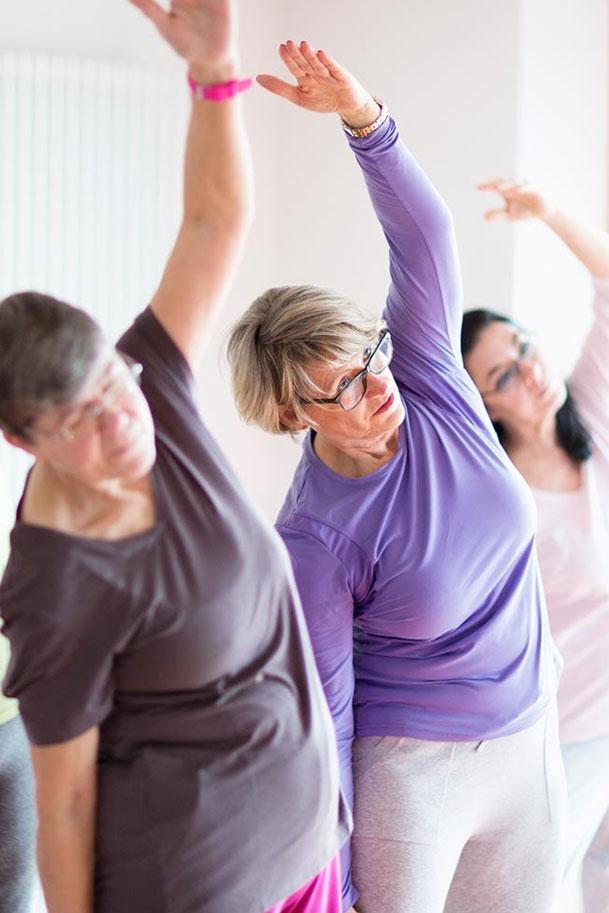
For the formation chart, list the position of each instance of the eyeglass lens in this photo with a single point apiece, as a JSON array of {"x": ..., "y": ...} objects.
[{"x": 378, "y": 361}]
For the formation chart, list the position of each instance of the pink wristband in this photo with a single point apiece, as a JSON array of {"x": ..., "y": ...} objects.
[{"x": 219, "y": 91}]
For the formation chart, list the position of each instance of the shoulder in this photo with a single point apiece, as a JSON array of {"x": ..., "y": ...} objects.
[
  {"x": 165, "y": 367},
  {"x": 55, "y": 580},
  {"x": 318, "y": 504},
  {"x": 39, "y": 505},
  {"x": 327, "y": 560},
  {"x": 148, "y": 341},
  {"x": 66, "y": 620},
  {"x": 444, "y": 393},
  {"x": 167, "y": 381},
  {"x": 328, "y": 582},
  {"x": 44, "y": 505}
]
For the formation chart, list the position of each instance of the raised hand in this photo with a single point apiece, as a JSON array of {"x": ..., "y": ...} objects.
[
  {"x": 520, "y": 200},
  {"x": 203, "y": 32},
  {"x": 322, "y": 85}
]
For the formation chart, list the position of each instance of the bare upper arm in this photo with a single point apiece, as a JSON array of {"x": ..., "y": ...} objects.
[{"x": 195, "y": 282}]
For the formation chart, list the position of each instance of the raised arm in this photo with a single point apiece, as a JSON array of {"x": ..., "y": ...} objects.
[
  {"x": 424, "y": 305},
  {"x": 589, "y": 381},
  {"x": 521, "y": 200},
  {"x": 218, "y": 192}
]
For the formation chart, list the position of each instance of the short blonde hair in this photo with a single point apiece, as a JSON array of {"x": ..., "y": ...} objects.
[{"x": 280, "y": 337}]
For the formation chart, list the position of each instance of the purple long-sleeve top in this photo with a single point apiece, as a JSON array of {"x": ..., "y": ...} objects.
[{"x": 419, "y": 581}]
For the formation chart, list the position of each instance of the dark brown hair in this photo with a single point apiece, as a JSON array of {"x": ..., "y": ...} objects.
[
  {"x": 571, "y": 433},
  {"x": 47, "y": 348}
]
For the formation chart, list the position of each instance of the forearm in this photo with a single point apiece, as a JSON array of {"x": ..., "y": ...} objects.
[
  {"x": 218, "y": 202},
  {"x": 66, "y": 860},
  {"x": 218, "y": 183},
  {"x": 589, "y": 244},
  {"x": 425, "y": 274},
  {"x": 407, "y": 204}
]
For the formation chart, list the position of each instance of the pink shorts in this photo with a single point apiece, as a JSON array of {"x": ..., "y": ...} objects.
[{"x": 320, "y": 895}]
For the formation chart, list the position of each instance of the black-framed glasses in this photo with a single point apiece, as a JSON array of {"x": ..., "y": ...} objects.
[{"x": 352, "y": 391}]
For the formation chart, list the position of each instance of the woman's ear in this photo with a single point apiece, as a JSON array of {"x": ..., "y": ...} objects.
[
  {"x": 290, "y": 420},
  {"x": 19, "y": 442}
]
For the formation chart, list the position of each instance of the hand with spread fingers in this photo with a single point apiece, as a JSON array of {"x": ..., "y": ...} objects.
[
  {"x": 218, "y": 185},
  {"x": 201, "y": 31},
  {"x": 521, "y": 200},
  {"x": 322, "y": 85}
]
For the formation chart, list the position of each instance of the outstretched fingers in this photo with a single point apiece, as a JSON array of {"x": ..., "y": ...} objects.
[
  {"x": 494, "y": 215},
  {"x": 505, "y": 186},
  {"x": 293, "y": 59},
  {"x": 334, "y": 69},
  {"x": 492, "y": 184},
  {"x": 279, "y": 87},
  {"x": 498, "y": 185},
  {"x": 316, "y": 66},
  {"x": 302, "y": 61}
]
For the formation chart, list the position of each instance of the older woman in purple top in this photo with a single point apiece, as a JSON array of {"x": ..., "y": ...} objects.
[
  {"x": 413, "y": 543},
  {"x": 183, "y": 751}
]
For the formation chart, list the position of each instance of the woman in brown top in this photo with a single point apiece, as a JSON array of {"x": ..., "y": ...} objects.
[{"x": 183, "y": 752}]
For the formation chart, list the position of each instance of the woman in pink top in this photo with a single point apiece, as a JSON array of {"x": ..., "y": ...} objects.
[{"x": 557, "y": 435}]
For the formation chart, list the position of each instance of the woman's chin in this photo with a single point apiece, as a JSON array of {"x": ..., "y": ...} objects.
[
  {"x": 136, "y": 461},
  {"x": 397, "y": 414},
  {"x": 557, "y": 398},
  {"x": 143, "y": 465}
]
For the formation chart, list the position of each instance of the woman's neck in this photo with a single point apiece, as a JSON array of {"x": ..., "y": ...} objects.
[
  {"x": 109, "y": 510},
  {"x": 541, "y": 460},
  {"x": 534, "y": 437},
  {"x": 356, "y": 459}
]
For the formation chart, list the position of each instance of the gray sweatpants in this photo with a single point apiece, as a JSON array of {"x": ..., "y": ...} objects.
[
  {"x": 587, "y": 859},
  {"x": 17, "y": 819},
  {"x": 460, "y": 827}
]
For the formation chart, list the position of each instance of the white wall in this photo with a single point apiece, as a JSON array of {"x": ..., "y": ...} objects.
[
  {"x": 465, "y": 81},
  {"x": 101, "y": 29},
  {"x": 562, "y": 145}
]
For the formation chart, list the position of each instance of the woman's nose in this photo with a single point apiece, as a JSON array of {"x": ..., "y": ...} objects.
[
  {"x": 531, "y": 372},
  {"x": 378, "y": 382},
  {"x": 113, "y": 418}
]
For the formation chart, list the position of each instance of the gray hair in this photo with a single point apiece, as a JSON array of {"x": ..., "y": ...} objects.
[
  {"x": 280, "y": 337},
  {"x": 47, "y": 349}
]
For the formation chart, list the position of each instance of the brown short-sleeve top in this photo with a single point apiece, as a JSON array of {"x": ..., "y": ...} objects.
[{"x": 217, "y": 773}]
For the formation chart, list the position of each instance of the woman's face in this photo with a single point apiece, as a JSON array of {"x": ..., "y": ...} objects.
[
  {"x": 517, "y": 385},
  {"x": 373, "y": 421},
  {"x": 106, "y": 432}
]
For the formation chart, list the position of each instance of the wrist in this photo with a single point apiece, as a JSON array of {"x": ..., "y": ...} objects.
[
  {"x": 551, "y": 216},
  {"x": 370, "y": 126},
  {"x": 213, "y": 74},
  {"x": 363, "y": 116}
]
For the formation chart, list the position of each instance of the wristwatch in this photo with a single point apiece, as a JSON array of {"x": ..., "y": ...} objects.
[{"x": 370, "y": 128}]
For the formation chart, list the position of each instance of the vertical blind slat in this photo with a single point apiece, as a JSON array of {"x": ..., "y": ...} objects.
[{"x": 90, "y": 185}]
